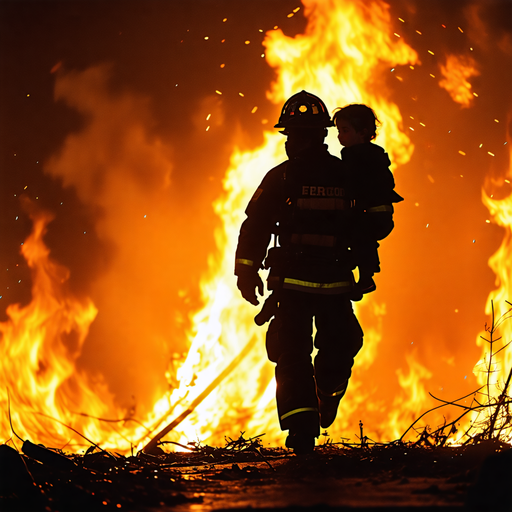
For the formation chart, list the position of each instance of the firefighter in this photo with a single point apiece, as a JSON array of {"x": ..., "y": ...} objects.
[{"x": 303, "y": 204}]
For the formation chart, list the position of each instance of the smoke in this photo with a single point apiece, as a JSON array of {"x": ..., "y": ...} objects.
[{"x": 124, "y": 173}]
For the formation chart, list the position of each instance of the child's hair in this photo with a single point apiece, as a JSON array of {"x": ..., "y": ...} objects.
[{"x": 361, "y": 117}]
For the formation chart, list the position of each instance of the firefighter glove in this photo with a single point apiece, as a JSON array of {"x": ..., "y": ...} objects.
[{"x": 247, "y": 284}]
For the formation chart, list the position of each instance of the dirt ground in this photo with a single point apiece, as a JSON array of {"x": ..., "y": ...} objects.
[{"x": 245, "y": 476}]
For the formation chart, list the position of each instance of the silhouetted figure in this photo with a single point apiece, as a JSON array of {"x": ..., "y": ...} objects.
[
  {"x": 304, "y": 204},
  {"x": 371, "y": 184}
]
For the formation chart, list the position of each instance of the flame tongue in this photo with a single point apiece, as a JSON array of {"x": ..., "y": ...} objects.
[{"x": 40, "y": 345}]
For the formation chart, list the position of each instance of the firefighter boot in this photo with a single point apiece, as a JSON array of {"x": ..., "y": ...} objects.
[
  {"x": 328, "y": 405},
  {"x": 301, "y": 436}
]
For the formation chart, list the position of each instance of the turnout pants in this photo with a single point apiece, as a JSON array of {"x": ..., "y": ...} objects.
[{"x": 289, "y": 344}]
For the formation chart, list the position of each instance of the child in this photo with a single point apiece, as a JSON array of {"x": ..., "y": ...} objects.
[{"x": 372, "y": 187}]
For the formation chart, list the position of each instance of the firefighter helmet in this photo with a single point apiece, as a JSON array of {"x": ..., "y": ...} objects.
[{"x": 304, "y": 110}]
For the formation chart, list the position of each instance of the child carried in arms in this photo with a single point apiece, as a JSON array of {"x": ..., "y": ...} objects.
[{"x": 372, "y": 187}]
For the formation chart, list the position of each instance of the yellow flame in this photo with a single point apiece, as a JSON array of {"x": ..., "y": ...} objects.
[
  {"x": 493, "y": 369},
  {"x": 456, "y": 72},
  {"x": 40, "y": 344},
  {"x": 344, "y": 56},
  {"x": 345, "y": 51}
]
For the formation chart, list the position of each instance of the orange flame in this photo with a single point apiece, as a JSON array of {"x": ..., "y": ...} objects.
[
  {"x": 456, "y": 71},
  {"x": 343, "y": 56},
  {"x": 496, "y": 362},
  {"x": 40, "y": 344}
]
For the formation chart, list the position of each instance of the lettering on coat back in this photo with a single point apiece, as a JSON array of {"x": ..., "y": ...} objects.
[{"x": 318, "y": 191}]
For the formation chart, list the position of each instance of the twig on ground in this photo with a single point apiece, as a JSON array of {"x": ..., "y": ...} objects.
[{"x": 152, "y": 444}]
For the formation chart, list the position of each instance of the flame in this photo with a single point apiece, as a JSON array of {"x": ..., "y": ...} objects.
[
  {"x": 40, "y": 345},
  {"x": 456, "y": 71},
  {"x": 495, "y": 364},
  {"x": 343, "y": 56},
  {"x": 345, "y": 50}
]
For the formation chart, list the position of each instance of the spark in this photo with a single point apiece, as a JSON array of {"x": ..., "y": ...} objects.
[
  {"x": 208, "y": 117},
  {"x": 462, "y": 153},
  {"x": 489, "y": 153},
  {"x": 400, "y": 19},
  {"x": 496, "y": 121},
  {"x": 418, "y": 32},
  {"x": 254, "y": 110},
  {"x": 247, "y": 42},
  {"x": 433, "y": 76},
  {"x": 223, "y": 65},
  {"x": 460, "y": 29},
  {"x": 397, "y": 35},
  {"x": 241, "y": 94},
  {"x": 431, "y": 52},
  {"x": 218, "y": 92}
]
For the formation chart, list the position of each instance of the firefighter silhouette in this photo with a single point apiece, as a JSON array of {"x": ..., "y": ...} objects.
[{"x": 305, "y": 206}]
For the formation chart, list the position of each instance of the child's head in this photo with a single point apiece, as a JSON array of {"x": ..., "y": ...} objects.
[{"x": 356, "y": 124}]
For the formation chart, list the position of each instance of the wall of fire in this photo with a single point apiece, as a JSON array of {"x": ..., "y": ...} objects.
[{"x": 120, "y": 118}]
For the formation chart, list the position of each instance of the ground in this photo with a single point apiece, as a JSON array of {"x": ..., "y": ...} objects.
[{"x": 245, "y": 476}]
